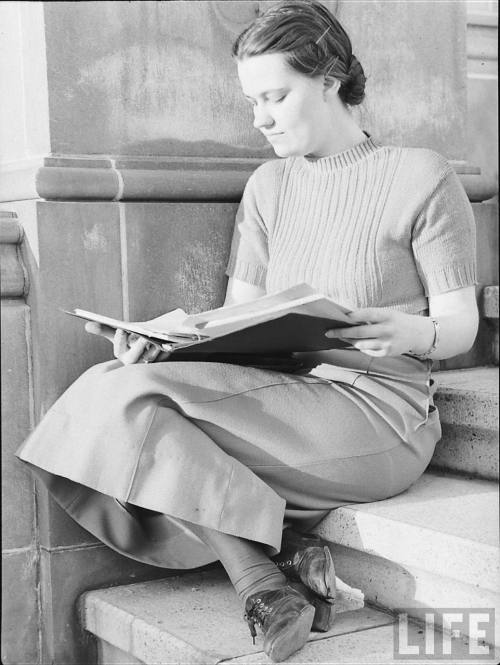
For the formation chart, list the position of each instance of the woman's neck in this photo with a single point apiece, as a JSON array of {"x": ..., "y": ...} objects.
[{"x": 343, "y": 133}]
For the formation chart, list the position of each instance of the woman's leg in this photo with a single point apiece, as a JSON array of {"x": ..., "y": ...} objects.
[
  {"x": 245, "y": 562},
  {"x": 283, "y": 613}
]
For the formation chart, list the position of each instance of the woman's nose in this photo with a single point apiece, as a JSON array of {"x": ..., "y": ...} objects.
[{"x": 262, "y": 119}]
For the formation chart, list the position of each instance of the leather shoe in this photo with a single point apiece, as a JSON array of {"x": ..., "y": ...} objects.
[
  {"x": 306, "y": 558},
  {"x": 284, "y": 616}
]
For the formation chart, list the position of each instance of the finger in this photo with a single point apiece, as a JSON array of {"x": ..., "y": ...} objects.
[
  {"x": 132, "y": 337},
  {"x": 368, "y": 345},
  {"x": 368, "y": 315},
  {"x": 150, "y": 354},
  {"x": 378, "y": 353},
  {"x": 370, "y": 331},
  {"x": 120, "y": 345},
  {"x": 135, "y": 352}
]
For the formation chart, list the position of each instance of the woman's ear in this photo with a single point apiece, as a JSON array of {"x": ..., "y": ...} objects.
[{"x": 331, "y": 86}]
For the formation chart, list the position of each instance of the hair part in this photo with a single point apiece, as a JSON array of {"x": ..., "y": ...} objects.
[{"x": 313, "y": 41}]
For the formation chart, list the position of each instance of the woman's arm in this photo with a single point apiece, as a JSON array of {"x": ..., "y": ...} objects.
[
  {"x": 392, "y": 333},
  {"x": 238, "y": 292}
]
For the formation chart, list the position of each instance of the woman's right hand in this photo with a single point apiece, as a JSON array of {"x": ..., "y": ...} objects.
[{"x": 129, "y": 348}]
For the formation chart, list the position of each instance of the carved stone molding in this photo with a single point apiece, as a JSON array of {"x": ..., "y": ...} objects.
[
  {"x": 66, "y": 178},
  {"x": 147, "y": 179},
  {"x": 14, "y": 278}
]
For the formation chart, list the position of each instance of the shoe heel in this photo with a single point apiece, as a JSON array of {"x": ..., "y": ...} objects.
[
  {"x": 324, "y": 614},
  {"x": 324, "y": 610}
]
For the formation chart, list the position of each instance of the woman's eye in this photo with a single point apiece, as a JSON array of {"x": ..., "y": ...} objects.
[{"x": 279, "y": 99}]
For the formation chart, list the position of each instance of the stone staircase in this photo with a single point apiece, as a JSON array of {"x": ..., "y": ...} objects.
[{"x": 433, "y": 546}]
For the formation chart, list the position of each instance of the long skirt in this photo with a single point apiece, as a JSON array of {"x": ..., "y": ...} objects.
[{"x": 137, "y": 453}]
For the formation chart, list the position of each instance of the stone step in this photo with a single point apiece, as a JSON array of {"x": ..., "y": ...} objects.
[
  {"x": 434, "y": 546},
  {"x": 467, "y": 400},
  {"x": 194, "y": 618}
]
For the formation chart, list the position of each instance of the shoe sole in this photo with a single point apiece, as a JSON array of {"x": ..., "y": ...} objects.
[
  {"x": 327, "y": 591},
  {"x": 294, "y": 637},
  {"x": 329, "y": 574}
]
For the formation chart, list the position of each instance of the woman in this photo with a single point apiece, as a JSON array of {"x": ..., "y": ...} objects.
[{"x": 181, "y": 463}]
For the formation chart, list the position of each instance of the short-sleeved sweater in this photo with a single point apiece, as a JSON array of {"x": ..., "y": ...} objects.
[{"x": 373, "y": 226}]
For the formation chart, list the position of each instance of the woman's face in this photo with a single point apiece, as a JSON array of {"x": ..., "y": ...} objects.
[{"x": 290, "y": 108}]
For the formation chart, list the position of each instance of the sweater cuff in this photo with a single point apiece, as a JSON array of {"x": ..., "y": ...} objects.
[
  {"x": 247, "y": 272},
  {"x": 451, "y": 277}
]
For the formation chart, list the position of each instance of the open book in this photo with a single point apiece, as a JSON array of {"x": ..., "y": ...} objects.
[{"x": 275, "y": 325}]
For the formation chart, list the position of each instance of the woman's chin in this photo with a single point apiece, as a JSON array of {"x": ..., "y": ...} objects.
[{"x": 284, "y": 151}]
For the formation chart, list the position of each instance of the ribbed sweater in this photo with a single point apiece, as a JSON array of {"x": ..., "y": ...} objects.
[{"x": 373, "y": 226}]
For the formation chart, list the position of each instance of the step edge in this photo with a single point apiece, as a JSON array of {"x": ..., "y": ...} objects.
[
  {"x": 111, "y": 630},
  {"x": 437, "y": 562}
]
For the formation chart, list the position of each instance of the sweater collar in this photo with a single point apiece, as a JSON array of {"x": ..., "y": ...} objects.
[{"x": 342, "y": 159}]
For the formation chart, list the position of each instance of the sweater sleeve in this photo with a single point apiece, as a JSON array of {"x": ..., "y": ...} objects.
[
  {"x": 444, "y": 238},
  {"x": 249, "y": 249}
]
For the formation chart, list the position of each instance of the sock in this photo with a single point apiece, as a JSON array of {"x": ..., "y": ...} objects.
[{"x": 249, "y": 569}]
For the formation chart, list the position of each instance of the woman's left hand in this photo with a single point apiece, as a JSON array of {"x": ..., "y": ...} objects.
[{"x": 385, "y": 332}]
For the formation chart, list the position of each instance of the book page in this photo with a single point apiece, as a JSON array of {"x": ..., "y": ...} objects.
[
  {"x": 165, "y": 327},
  {"x": 255, "y": 309}
]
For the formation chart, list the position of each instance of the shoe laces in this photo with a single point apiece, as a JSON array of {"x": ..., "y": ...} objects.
[{"x": 257, "y": 614}]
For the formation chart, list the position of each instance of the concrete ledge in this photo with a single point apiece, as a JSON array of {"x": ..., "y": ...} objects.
[
  {"x": 467, "y": 400},
  {"x": 174, "y": 179}
]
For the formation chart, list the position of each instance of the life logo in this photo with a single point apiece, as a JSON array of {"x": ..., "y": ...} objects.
[{"x": 448, "y": 634}]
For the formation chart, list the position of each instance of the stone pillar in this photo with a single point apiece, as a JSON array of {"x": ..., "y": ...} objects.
[
  {"x": 20, "y": 555},
  {"x": 127, "y": 147}
]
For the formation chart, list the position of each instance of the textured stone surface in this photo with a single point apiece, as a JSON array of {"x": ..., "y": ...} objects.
[
  {"x": 79, "y": 266},
  {"x": 56, "y": 527},
  {"x": 366, "y": 647},
  {"x": 468, "y": 406},
  {"x": 435, "y": 545},
  {"x": 490, "y": 302},
  {"x": 387, "y": 583},
  {"x": 19, "y": 608},
  {"x": 370, "y": 647},
  {"x": 65, "y": 574},
  {"x": 196, "y": 618},
  {"x": 17, "y": 486},
  {"x": 486, "y": 216},
  {"x": 176, "y": 255},
  {"x": 442, "y": 524},
  {"x": 146, "y": 86},
  {"x": 12, "y": 274}
]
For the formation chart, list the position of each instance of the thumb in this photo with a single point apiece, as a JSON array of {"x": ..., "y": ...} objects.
[{"x": 97, "y": 329}]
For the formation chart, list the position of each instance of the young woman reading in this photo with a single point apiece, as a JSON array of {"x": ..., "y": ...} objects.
[{"x": 181, "y": 463}]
